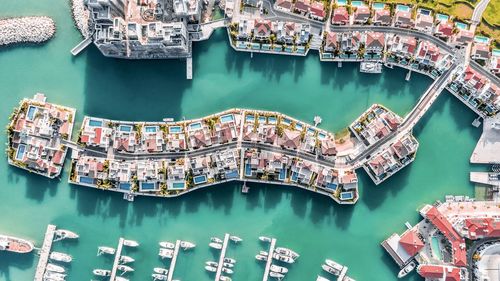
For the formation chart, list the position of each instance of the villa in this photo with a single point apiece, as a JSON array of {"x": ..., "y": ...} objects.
[
  {"x": 262, "y": 29},
  {"x": 331, "y": 43},
  {"x": 382, "y": 17},
  {"x": 424, "y": 22},
  {"x": 340, "y": 16},
  {"x": 375, "y": 43},
  {"x": 403, "y": 19},
  {"x": 463, "y": 37},
  {"x": 317, "y": 11},
  {"x": 480, "y": 51},
  {"x": 361, "y": 15},
  {"x": 428, "y": 54},
  {"x": 374, "y": 124},
  {"x": 403, "y": 46},
  {"x": 444, "y": 30},
  {"x": 283, "y": 5}
]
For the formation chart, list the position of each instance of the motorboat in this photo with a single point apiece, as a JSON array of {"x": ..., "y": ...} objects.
[
  {"x": 407, "y": 269},
  {"x": 276, "y": 275},
  {"x": 227, "y": 270},
  {"x": 330, "y": 269},
  {"x": 160, "y": 270},
  {"x": 278, "y": 269},
  {"x": 286, "y": 252},
  {"x": 228, "y": 265},
  {"x": 214, "y": 245},
  {"x": 216, "y": 240},
  {"x": 119, "y": 278},
  {"x": 130, "y": 243},
  {"x": 126, "y": 259},
  {"x": 334, "y": 265},
  {"x": 55, "y": 268},
  {"x": 101, "y": 272},
  {"x": 158, "y": 277},
  {"x": 54, "y": 276},
  {"x": 229, "y": 260},
  {"x": 261, "y": 258},
  {"x": 187, "y": 245},
  {"x": 235, "y": 238},
  {"x": 283, "y": 258},
  {"x": 15, "y": 245},
  {"x": 65, "y": 234},
  {"x": 166, "y": 244},
  {"x": 225, "y": 278},
  {"x": 62, "y": 257},
  {"x": 125, "y": 268},
  {"x": 265, "y": 239},
  {"x": 166, "y": 253},
  {"x": 321, "y": 278},
  {"x": 210, "y": 268},
  {"x": 212, "y": 263},
  {"x": 105, "y": 250},
  {"x": 263, "y": 253}
]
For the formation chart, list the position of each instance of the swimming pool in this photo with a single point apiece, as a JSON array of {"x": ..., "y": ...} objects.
[
  {"x": 175, "y": 129},
  {"x": 262, "y": 120},
  {"x": 151, "y": 129},
  {"x": 311, "y": 131},
  {"x": 378, "y": 6},
  {"x": 271, "y": 120},
  {"x": 298, "y": 126},
  {"x": 496, "y": 52},
  {"x": 321, "y": 136},
  {"x": 286, "y": 121},
  {"x": 95, "y": 123},
  {"x": 461, "y": 25},
  {"x": 20, "y": 151},
  {"x": 424, "y": 12},
  {"x": 282, "y": 175},
  {"x": 346, "y": 195},
  {"x": 250, "y": 118},
  {"x": 357, "y": 3},
  {"x": 179, "y": 185},
  {"x": 442, "y": 17},
  {"x": 125, "y": 128},
  {"x": 200, "y": 179},
  {"x": 195, "y": 126},
  {"x": 436, "y": 248},
  {"x": 295, "y": 176},
  {"x": 231, "y": 174},
  {"x": 341, "y": 2},
  {"x": 226, "y": 118},
  {"x": 248, "y": 170},
  {"x": 86, "y": 180},
  {"x": 148, "y": 186},
  {"x": 402, "y": 8},
  {"x": 481, "y": 39},
  {"x": 31, "y": 112},
  {"x": 331, "y": 186},
  {"x": 124, "y": 186}
]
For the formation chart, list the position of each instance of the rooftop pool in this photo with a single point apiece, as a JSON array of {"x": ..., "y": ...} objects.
[
  {"x": 20, "y": 152},
  {"x": 31, "y": 112}
]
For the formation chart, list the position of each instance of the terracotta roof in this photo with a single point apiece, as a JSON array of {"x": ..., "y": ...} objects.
[
  {"x": 286, "y": 4},
  {"x": 411, "y": 242},
  {"x": 445, "y": 28},
  {"x": 302, "y": 5},
  {"x": 262, "y": 27},
  {"x": 482, "y": 227},
  {"x": 375, "y": 40},
  {"x": 318, "y": 9},
  {"x": 383, "y": 16},
  {"x": 362, "y": 13},
  {"x": 340, "y": 15}
]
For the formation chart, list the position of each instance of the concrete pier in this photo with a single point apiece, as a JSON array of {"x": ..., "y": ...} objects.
[
  {"x": 117, "y": 259},
  {"x": 486, "y": 150},
  {"x": 218, "y": 273},
  {"x": 81, "y": 46},
  {"x": 342, "y": 274},
  {"x": 174, "y": 260},
  {"x": 269, "y": 260},
  {"x": 45, "y": 252},
  {"x": 189, "y": 68}
]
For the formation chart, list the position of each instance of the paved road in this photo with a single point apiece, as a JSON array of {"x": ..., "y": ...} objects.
[{"x": 478, "y": 11}]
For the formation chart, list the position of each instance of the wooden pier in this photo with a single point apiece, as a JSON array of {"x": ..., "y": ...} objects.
[
  {"x": 218, "y": 273},
  {"x": 174, "y": 260},
  {"x": 269, "y": 260},
  {"x": 45, "y": 252},
  {"x": 117, "y": 259}
]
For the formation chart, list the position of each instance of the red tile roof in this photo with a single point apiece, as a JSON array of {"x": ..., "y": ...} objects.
[
  {"x": 411, "y": 242},
  {"x": 383, "y": 16},
  {"x": 97, "y": 138},
  {"x": 318, "y": 9},
  {"x": 262, "y": 27},
  {"x": 445, "y": 28},
  {"x": 375, "y": 40},
  {"x": 340, "y": 15},
  {"x": 302, "y": 5},
  {"x": 482, "y": 227},
  {"x": 362, "y": 13},
  {"x": 439, "y": 271}
]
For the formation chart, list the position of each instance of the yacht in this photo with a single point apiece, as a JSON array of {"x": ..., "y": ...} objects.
[
  {"x": 227, "y": 270},
  {"x": 166, "y": 244},
  {"x": 334, "y": 265},
  {"x": 212, "y": 263},
  {"x": 235, "y": 238},
  {"x": 216, "y": 246},
  {"x": 159, "y": 277},
  {"x": 283, "y": 258},
  {"x": 119, "y": 278},
  {"x": 166, "y": 253},
  {"x": 407, "y": 269},
  {"x": 216, "y": 240},
  {"x": 261, "y": 258},
  {"x": 62, "y": 257},
  {"x": 229, "y": 260},
  {"x": 54, "y": 276},
  {"x": 228, "y": 265},
  {"x": 126, "y": 259},
  {"x": 276, "y": 275},
  {"x": 15, "y": 245},
  {"x": 187, "y": 245},
  {"x": 330, "y": 269},
  {"x": 321, "y": 278},
  {"x": 279, "y": 269},
  {"x": 287, "y": 252},
  {"x": 210, "y": 268},
  {"x": 130, "y": 243},
  {"x": 105, "y": 250},
  {"x": 55, "y": 268},
  {"x": 265, "y": 239},
  {"x": 101, "y": 272},
  {"x": 263, "y": 253},
  {"x": 125, "y": 268},
  {"x": 160, "y": 270},
  {"x": 65, "y": 234},
  {"x": 225, "y": 278}
]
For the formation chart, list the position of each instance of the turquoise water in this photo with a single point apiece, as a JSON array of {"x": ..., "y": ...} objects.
[{"x": 314, "y": 226}]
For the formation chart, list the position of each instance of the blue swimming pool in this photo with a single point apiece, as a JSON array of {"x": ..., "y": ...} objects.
[
  {"x": 148, "y": 186},
  {"x": 125, "y": 128},
  {"x": 442, "y": 17},
  {"x": 286, "y": 121},
  {"x": 311, "y": 131},
  {"x": 200, "y": 179},
  {"x": 175, "y": 129},
  {"x": 378, "y": 6},
  {"x": 233, "y": 174},
  {"x": 250, "y": 118},
  {"x": 295, "y": 176},
  {"x": 331, "y": 186},
  {"x": 436, "y": 248},
  {"x": 424, "y": 12},
  {"x": 341, "y": 2},
  {"x": 346, "y": 195},
  {"x": 95, "y": 123},
  {"x": 178, "y": 185},
  {"x": 282, "y": 175},
  {"x": 496, "y": 52},
  {"x": 31, "y": 112},
  {"x": 151, "y": 129},
  {"x": 461, "y": 25},
  {"x": 321, "y": 136},
  {"x": 298, "y": 126},
  {"x": 481, "y": 39},
  {"x": 20, "y": 151},
  {"x": 87, "y": 180},
  {"x": 402, "y": 8},
  {"x": 272, "y": 120},
  {"x": 248, "y": 170},
  {"x": 226, "y": 118},
  {"x": 357, "y": 3},
  {"x": 262, "y": 120},
  {"x": 195, "y": 126},
  {"x": 124, "y": 186}
]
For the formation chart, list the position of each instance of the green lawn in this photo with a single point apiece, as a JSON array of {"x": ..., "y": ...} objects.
[
  {"x": 491, "y": 14},
  {"x": 459, "y": 9}
]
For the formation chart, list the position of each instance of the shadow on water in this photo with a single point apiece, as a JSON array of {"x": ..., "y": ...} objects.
[
  {"x": 17, "y": 261},
  {"x": 36, "y": 186}
]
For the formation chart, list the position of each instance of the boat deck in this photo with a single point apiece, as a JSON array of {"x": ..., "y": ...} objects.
[
  {"x": 117, "y": 259},
  {"x": 174, "y": 260},
  {"x": 269, "y": 260},
  {"x": 45, "y": 252},
  {"x": 218, "y": 273}
]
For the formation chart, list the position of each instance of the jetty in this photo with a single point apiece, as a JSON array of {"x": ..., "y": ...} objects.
[
  {"x": 174, "y": 260},
  {"x": 269, "y": 259},
  {"x": 189, "y": 68},
  {"x": 45, "y": 252},
  {"x": 81, "y": 46},
  {"x": 218, "y": 273},
  {"x": 117, "y": 259}
]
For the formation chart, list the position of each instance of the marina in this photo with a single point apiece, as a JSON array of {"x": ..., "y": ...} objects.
[
  {"x": 44, "y": 252},
  {"x": 272, "y": 246},
  {"x": 116, "y": 260},
  {"x": 173, "y": 261}
]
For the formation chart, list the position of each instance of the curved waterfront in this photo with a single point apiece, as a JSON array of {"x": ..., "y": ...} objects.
[{"x": 224, "y": 79}]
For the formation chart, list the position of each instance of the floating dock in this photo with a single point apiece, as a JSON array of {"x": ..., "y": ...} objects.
[
  {"x": 174, "y": 260},
  {"x": 45, "y": 252},
  {"x": 269, "y": 260},
  {"x": 342, "y": 273},
  {"x": 218, "y": 273},
  {"x": 117, "y": 259}
]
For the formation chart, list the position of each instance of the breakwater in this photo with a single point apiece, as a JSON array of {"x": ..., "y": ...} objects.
[
  {"x": 26, "y": 30},
  {"x": 81, "y": 17}
]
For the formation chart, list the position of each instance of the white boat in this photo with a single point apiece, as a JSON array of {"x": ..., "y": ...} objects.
[
  {"x": 212, "y": 263},
  {"x": 283, "y": 258},
  {"x": 187, "y": 245},
  {"x": 407, "y": 269},
  {"x": 15, "y": 245},
  {"x": 166, "y": 253},
  {"x": 228, "y": 265},
  {"x": 210, "y": 268},
  {"x": 334, "y": 265},
  {"x": 105, "y": 250},
  {"x": 261, "y": 258},
  {"x": 265, "y": 239},
  {"x": 263, "y": 253},
  {"x": 278, "y": 269},
  {"x": 55, "y": 268},
  {"x": 101, "y": 272},
  {"x": 216, "y": 240},
  {"x": 159, "y": 277},
  {"x": 166, "y": 244},
  {"x": 130, "y": 243},
  {"x": 66, "y": 234},
  {"x": 321, "y": 278},
  {"x": 160, "y": 270},
  {"x": 119, "y": 278},
  {"x": 286, "y": 252},
  {"x": 125, "y": 268},
  {"x": 225, "y": 278},
  {"x": 276, "y": 275},
  {"x": 227, "y": 270},
  {"x": 62, "y": 257},
  {"x": 126, "y": 259},
  {"x": 229, "y": 260},
  {"x": 215, "y": 245},
  {"x": 235, "y": 238},
  {"x": 54, "y": 276},
  {"x": 330, "y": 270}
]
